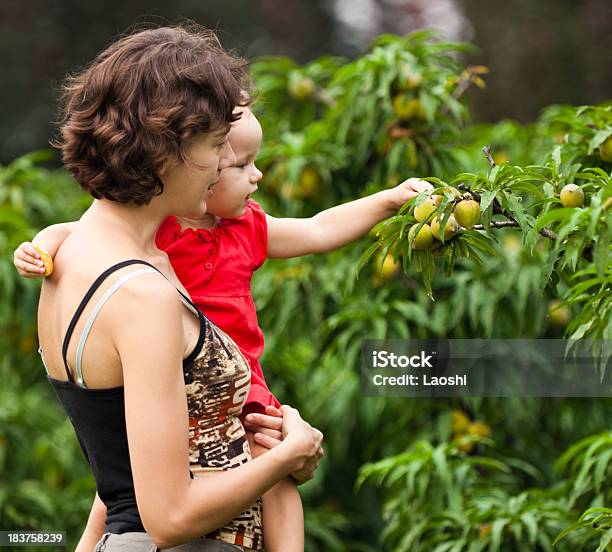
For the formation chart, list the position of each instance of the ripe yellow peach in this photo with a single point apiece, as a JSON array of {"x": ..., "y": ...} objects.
[
  {"x": 310, "y": 185},
  {"x": 450, "y": 229},
  {"x": 572, "y": 196},
  {"x": 482, "y": 429},
  {"x": 558, "y": 314},
  {"x": 301, "y": 88},
  {"x": 459, "y": 421},
  {"x": 423, "y": 239},
  {"x": 425, "y": 210},
  {"x": 388, "y": 269},
  {"x": 467, "y": 213},
  {"x": 605, "y": 150},
  {"x": 446, "y": 190},
  {"x": 408, "y": 108}
]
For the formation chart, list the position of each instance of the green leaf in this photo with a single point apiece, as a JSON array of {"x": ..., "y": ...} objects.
[
  {"x": 496, "y": 534},
  {"x": 600, "y": 137},
  {"x": 553, "y": 216},
  {"x": 428, "y": 265},
  {"x": 571, "y": 528},
  {"x": 367, "y": 255},
  {"x": 517, "y": 210},
  {"x": 606, "y": 539}
]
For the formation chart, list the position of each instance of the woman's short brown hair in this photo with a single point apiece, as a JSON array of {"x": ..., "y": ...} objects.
[{"x": 138, "y": 104}]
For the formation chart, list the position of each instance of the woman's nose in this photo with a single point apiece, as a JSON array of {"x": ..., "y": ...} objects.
[{"x": 227, "y": 157}]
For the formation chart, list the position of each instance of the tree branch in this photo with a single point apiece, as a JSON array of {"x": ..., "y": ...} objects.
[
  {"x": 498, "y": 224},
  {"x": 499, "y": 210},
  {"x": 487, "y": 152},
  {"x": 512, "y": 222}
]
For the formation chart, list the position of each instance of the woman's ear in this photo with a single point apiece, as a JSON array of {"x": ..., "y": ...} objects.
[
  {"x": 166, "y": 165},
  {"x": 161, "y": 171}
]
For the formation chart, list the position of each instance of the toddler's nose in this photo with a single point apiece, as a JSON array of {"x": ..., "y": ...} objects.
[{"x": 256, "y": 176}]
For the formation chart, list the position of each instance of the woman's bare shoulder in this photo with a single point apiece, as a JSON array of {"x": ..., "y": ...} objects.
[
  {"x": 85, "y": 255},
  {"x": 88, "y": 251}
]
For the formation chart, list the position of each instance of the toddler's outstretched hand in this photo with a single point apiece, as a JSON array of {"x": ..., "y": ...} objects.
[
  {"x": 28, "y": 261},
  {"x": 408, "y": 190}
]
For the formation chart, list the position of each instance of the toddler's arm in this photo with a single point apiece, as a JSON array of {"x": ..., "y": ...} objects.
[
  {"x": 282, "y": 512},
  {"x": 94, "y": 528},
  {"x": 27, "y": 260},
  {"x": 337, "y": 226}
]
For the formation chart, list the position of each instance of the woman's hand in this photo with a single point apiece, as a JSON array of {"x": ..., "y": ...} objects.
[{"x": 271, "y": 428}]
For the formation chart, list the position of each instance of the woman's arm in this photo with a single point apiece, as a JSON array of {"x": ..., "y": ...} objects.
[
  {"x": 148, "y": 333},
  {"x": 338, "y": 226},
  {"x": 94, "y": 528}
]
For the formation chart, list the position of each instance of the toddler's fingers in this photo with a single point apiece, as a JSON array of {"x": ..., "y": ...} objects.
[
  {"x": 411, "y": 195},
  {"x": 29, "y": 249},
  {"x": 271, "y": 433},
  {"x": 29, "y": 268},
  {"x": 266, "y": 441},
  {"x": 421, "y": 186},
  {"x": 23, "y": 253},
  {"x": 273, "y": 411},
  {"x": 26, "y": 251},
  {"x": 263, "y": 420},
  {"x": 27, "y": 258}
]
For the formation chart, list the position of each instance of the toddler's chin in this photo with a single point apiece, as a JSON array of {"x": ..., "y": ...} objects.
[
  {"x": 228, "y": 214},
  {"x": 198, "y": 212}
]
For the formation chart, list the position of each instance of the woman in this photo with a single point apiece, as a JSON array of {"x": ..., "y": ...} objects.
[{"x": 144, "y": 132}]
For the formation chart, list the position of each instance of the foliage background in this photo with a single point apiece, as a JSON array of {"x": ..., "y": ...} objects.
[
  {"x": 550, "y": 51},
  {"x": 396, "y": 475}
]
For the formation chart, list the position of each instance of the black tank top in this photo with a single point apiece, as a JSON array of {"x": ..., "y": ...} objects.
[{"x": 98, "y": 418}]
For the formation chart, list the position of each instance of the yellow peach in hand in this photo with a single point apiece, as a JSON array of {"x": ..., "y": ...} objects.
[{"x": 46, "y": 260}]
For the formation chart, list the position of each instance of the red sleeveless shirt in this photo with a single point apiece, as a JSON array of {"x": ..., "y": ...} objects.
[{"x": 216, "y": 267}]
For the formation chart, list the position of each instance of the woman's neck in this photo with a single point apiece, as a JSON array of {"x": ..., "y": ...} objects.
[{"x": 137, "y": 223}]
